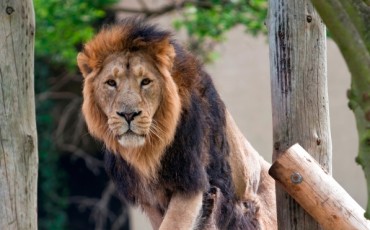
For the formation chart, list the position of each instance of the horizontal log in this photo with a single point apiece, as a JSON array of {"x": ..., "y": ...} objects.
[{"x": 317, "y": 191}]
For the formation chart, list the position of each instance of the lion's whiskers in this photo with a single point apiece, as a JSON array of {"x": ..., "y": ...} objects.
[
  {"x": 156, "y": 130},
  {"x": 155, "y": 133}
]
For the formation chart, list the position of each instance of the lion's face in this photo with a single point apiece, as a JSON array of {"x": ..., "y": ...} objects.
[
  {"x": 131, "y": 100},
  {"x": 128, "y": 92}
]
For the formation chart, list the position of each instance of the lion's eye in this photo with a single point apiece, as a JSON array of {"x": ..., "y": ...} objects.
[
  {"x": 145, "y": 81},
  {"x": 111, "y": 82}
]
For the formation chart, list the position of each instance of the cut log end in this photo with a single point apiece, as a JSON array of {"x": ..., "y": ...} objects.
[{"x": 316, "y": 191}]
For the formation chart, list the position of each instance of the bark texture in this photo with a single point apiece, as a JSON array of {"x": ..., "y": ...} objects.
[
  {"x": 349, "y": 24},
  {"x": 18, "y": 139},
  {"x": 300, "y": 107},
  {"x": 316, "y": 191}
]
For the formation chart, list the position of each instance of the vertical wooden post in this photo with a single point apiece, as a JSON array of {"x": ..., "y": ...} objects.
[
  {"x": 18, "y": 138},
  {"x": 300, "y": 109},
  {"x": 348, "y": 22}
]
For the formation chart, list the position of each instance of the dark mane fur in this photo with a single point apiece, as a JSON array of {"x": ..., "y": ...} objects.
[{"x": 196, "y": 160}]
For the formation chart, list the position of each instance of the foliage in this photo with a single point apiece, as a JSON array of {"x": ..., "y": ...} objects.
[
  {"x": 61, "y": 27},
  {"x": 51, "y": 192},
  {"x": 214, "y": 17},
  {"x": 207, "y": 21}
]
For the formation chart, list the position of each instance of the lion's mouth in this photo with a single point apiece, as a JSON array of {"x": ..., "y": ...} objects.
[
  {"x": 130, "y": 133},
  {"x": 131, "y": 139}
]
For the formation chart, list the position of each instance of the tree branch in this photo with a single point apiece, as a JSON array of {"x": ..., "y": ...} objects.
[
  {"x": 342, "y": 24},
  {"x": 101, "y": 212},
  {"x": 164, "y": 9},
  {"x": 120, "y": 220},
  {"x": 348, "y": 21},
  {"x": 143, "y": 4},
  {"x": 100, "y": 208},
  {"x": 93, "y": 164},
  {"x": 152, "y": 12}
]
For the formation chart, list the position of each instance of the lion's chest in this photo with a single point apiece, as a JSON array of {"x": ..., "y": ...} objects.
[{"x": 132, "y": 187}]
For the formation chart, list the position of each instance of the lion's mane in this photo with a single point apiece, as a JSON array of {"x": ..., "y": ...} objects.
[
  {"x": 200, "y": 149},
  {"x": 132, "y": 35}
]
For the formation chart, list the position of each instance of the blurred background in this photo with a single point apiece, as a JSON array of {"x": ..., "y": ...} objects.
[{"x": 229, "y": 37}]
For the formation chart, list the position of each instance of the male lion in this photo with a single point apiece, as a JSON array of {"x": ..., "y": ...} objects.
[{"x": 171, "y": 146}]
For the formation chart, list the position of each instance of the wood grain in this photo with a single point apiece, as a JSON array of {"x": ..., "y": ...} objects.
[
  {"x": 300, "y": 109},
  {"x": 18, "y": 138},
  {"x": 317, "y": 191}
]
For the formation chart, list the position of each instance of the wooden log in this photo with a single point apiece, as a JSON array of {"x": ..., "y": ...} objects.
[
  {"x": 299, "y": 96},
  {"x": 18, "y": 137},
  {"x": 316, "y": 191}
]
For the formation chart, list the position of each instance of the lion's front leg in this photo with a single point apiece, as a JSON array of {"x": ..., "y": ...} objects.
[{"x": 182, "y": 212}]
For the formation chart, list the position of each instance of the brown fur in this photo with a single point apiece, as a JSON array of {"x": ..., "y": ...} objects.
[
  {"x": 91, "y": 60},
  {"x": 181, "y": 80}
]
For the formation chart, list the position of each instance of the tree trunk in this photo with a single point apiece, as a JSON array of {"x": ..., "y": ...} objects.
[
  {"x": 18, "y": 138},
  {"x": 300, "y": 109},
  {"x": 348, "y": 22}
]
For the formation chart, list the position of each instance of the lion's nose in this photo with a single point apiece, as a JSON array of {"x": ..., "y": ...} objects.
[{"x": 129, "y": 116}]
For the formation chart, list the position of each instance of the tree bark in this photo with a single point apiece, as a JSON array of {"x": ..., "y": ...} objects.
[
  {"x": 18, "y": 138},
  {"x": 348, "y": 22},
  {"x": 300, "y": 109}
]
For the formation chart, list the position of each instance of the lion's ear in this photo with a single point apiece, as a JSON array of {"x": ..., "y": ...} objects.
[{"x": 83, "y": 64}]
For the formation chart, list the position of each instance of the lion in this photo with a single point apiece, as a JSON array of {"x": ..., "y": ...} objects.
[{"x": 171, "y": 146}]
